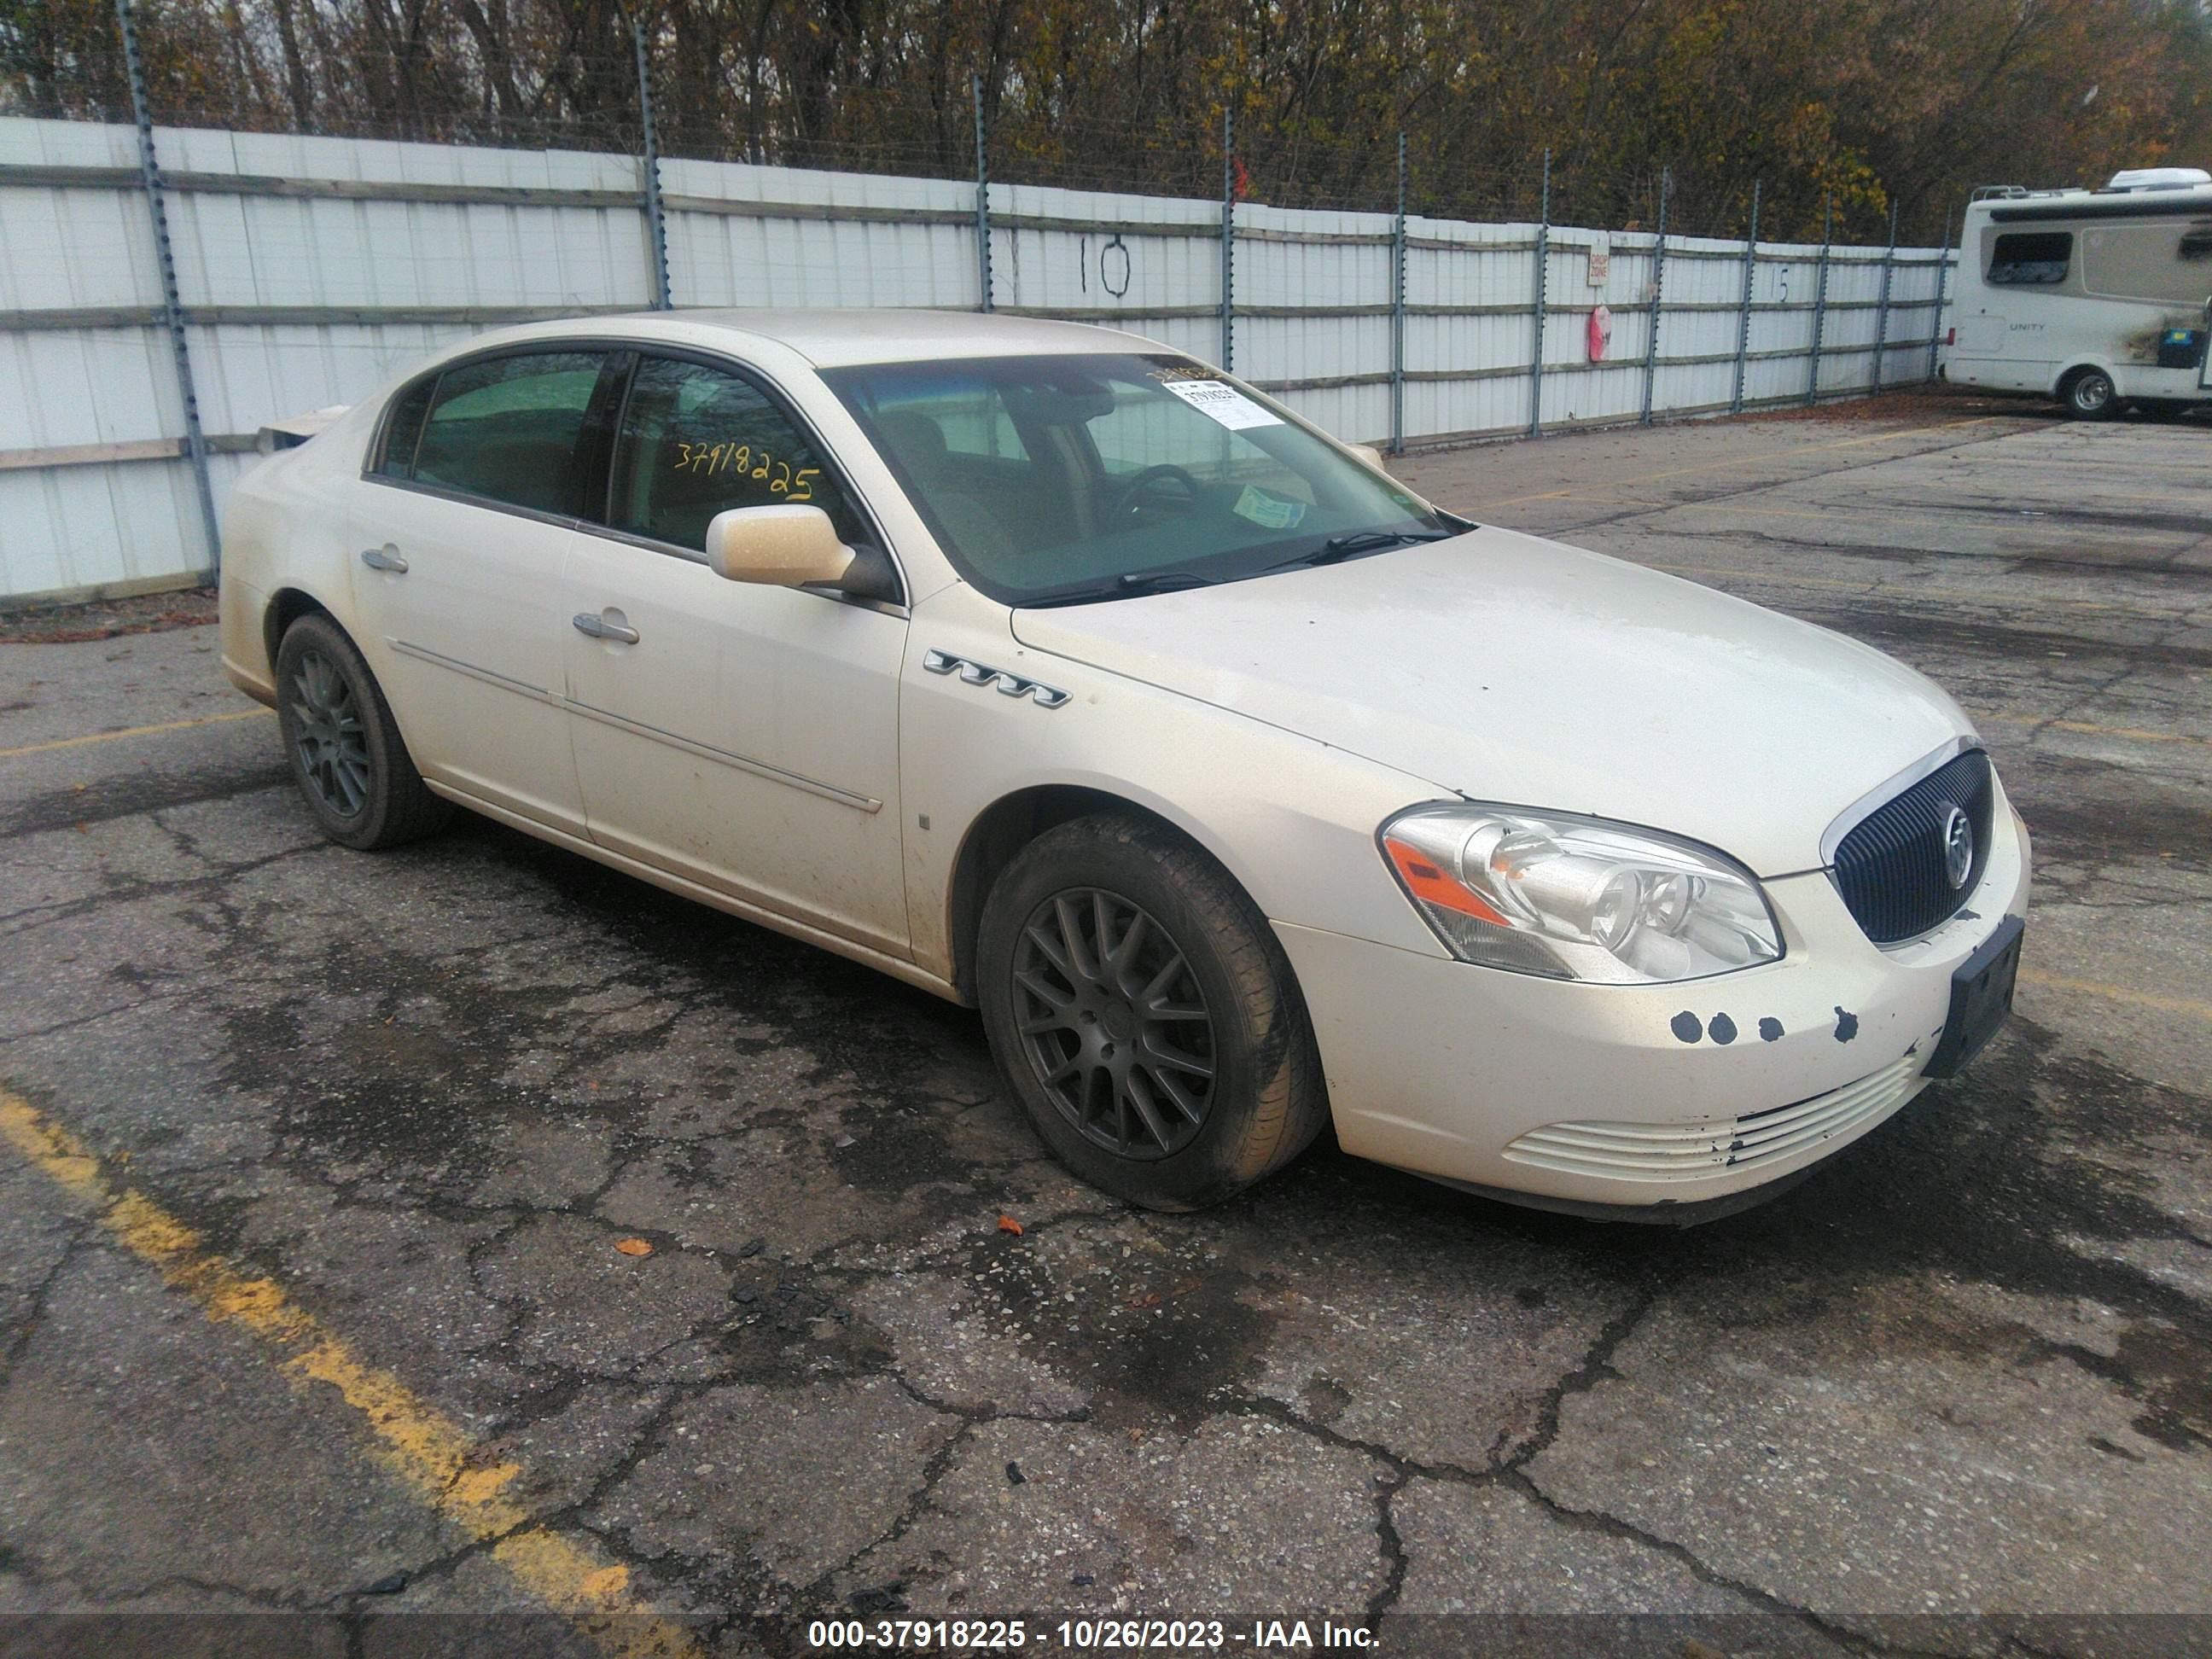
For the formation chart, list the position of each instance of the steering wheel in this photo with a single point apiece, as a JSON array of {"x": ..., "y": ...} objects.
[{"x": 1130, "y": 497}]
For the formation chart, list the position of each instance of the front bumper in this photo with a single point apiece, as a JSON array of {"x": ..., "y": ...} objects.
[{"x": 1653, "y": 1101}]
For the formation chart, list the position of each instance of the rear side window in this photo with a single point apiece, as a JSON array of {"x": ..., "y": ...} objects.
[
  {"x": 2032, "y": 257},
  {"x": 696, "y": 440},
  {"x": 505, "y": 428}
]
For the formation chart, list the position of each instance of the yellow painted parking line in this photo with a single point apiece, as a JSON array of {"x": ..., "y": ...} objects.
[
  {"x": 134, "y": 732},
  {"x": 453, "y": 1475},
  {"x": 2128, "y": 733},
  {"x": 2096, "y": 987},
  {"x": 1870, "y": 586},
  {"x": 1755, "y": 461},
  {"x": 1737, "y": 504}
]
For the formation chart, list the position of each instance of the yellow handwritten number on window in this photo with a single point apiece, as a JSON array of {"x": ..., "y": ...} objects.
[{"x": 780, "y": 477}]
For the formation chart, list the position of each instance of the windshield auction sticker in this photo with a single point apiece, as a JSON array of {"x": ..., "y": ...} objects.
[
  {"x": 1223, "y": 402},
  {"x": 1268, "y": 510}
]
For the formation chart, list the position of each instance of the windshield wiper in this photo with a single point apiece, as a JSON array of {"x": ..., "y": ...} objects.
[
  {"x": 1129, "y": 582},
  {"x": 1151, "y": 581},
  {"x": 1352, "y": 545}
]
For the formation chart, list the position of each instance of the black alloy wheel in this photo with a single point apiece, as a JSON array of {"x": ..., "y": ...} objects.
[
  {"x": 1142, "y": 1014},
  {"x": 329, "y": 744},
  {"x": 346, "y": 753},
  {"x": 1114, "y": 1022}
]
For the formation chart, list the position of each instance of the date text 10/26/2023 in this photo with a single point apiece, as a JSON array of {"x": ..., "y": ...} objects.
[{"x": 1107, "y": 1635}]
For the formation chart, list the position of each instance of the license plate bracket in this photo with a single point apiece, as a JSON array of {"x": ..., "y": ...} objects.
[{"x": 1981, "y": 998}]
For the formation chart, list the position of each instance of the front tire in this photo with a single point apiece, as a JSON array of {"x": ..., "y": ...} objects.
[
  {"x": 1142, "y": 1013},
  {"x": 347, "y": 755},
  {"x": 2089, "y": 395}
]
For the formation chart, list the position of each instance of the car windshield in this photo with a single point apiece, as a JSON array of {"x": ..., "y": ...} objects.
[{"x": 1068, "y": 479}]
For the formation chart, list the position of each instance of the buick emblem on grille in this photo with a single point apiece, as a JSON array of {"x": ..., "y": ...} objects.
[{"x": 1957, "y": 847}]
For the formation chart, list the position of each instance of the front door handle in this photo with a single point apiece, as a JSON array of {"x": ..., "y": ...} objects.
[
  {"x": 608, "y": 625},
  {"x": 384, "y": 558}
]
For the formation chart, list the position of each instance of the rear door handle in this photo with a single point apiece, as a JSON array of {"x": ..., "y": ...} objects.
[
  {"x": 605, "y": 627},
  {"x": 384, "y": 558}
]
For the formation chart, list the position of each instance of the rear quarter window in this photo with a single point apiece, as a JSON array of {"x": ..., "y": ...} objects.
[{"x": 403, "y": 429}]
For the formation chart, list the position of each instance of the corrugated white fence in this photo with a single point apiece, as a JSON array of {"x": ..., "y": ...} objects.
[{"x": 311, "y": 270}]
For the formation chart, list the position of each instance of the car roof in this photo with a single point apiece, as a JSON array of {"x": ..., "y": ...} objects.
[{"x": 832, "y": 338}]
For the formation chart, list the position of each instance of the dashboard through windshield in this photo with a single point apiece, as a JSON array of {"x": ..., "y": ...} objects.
[{"x": 1063, "y": 479}]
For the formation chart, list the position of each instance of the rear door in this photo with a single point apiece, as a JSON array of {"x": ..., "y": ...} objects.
[
  {"x": 478, "y": 481},
  {"x": 742, "y": 736}
]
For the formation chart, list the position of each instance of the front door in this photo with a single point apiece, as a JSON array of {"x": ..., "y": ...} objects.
[
  {"x": 745, "y": 737},
  {"x": 461, "y": 537}
]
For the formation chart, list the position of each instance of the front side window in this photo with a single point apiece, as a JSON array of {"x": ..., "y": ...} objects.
[
  {"x": 1061, "y": 479},
  {"x": 695, "y": 440},
  {"x": 2031, "y": 259},
  {"x": 505, "y": 428}
]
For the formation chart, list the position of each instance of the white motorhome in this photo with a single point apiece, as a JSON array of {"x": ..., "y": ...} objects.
[{"x": 2099, "y": 298}]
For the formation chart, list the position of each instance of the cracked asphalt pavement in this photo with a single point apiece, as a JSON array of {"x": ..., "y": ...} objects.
[{"x": 282, "y": 1110}]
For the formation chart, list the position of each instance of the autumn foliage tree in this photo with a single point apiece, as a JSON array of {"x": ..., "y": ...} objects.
[{"x": 1851, "y": 104}]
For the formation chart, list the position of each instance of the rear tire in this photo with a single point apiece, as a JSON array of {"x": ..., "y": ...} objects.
[
  {"x": 347, "y": 755},
  {"x": 2089, "y": 395},
  {"x": 1142, "y": 1011}
]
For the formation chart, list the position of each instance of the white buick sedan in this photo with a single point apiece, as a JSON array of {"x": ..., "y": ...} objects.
[{"x": 1241, "y": 789}]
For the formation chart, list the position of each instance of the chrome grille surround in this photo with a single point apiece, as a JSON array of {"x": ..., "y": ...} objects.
[{"x": 1890, "y": 865}]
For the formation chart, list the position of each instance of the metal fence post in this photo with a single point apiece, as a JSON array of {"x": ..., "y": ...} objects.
[
  {"x": 1658, "y": 292},
  {"x": 173, "y": 310},
  {"x": 1820, "y": 295},
  {"x": 656, "y": 225},
  {"x": 983, "y": 197},
  {"x": 1228, "y": 240},
  {"x": 1942, "y": 276},
  {"x": 1743, "y": 328},
  {"x": 1398, "y": 312},
  {"x": 1881, "y": 316},
  {"x": 1543, "y": 274}
]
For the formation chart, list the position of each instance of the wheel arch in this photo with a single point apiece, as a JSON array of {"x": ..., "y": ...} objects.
[
  {"x": 286, "y": 606},
  {"x": 2075, "y": 367},
  {"x": 1019, "y": 818}
]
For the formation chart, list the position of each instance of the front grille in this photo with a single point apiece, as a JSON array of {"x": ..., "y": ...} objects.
[
  {"x": 1698, "y": 1151},
  {"x": 1890, "y": 867}
]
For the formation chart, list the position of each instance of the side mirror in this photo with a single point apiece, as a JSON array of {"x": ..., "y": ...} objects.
[
  {"x": 1369, "y": 454},
  {"x": 791, "y": 546}
]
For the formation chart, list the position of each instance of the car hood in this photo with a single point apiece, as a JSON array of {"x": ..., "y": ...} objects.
[{"x": 1504, "y": 667}]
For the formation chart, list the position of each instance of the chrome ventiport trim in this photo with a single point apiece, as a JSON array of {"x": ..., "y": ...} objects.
[{"x": 1010, "y": 684}]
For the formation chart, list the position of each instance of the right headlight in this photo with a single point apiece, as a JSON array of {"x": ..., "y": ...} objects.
[{"x": 1572, "y": 898}]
